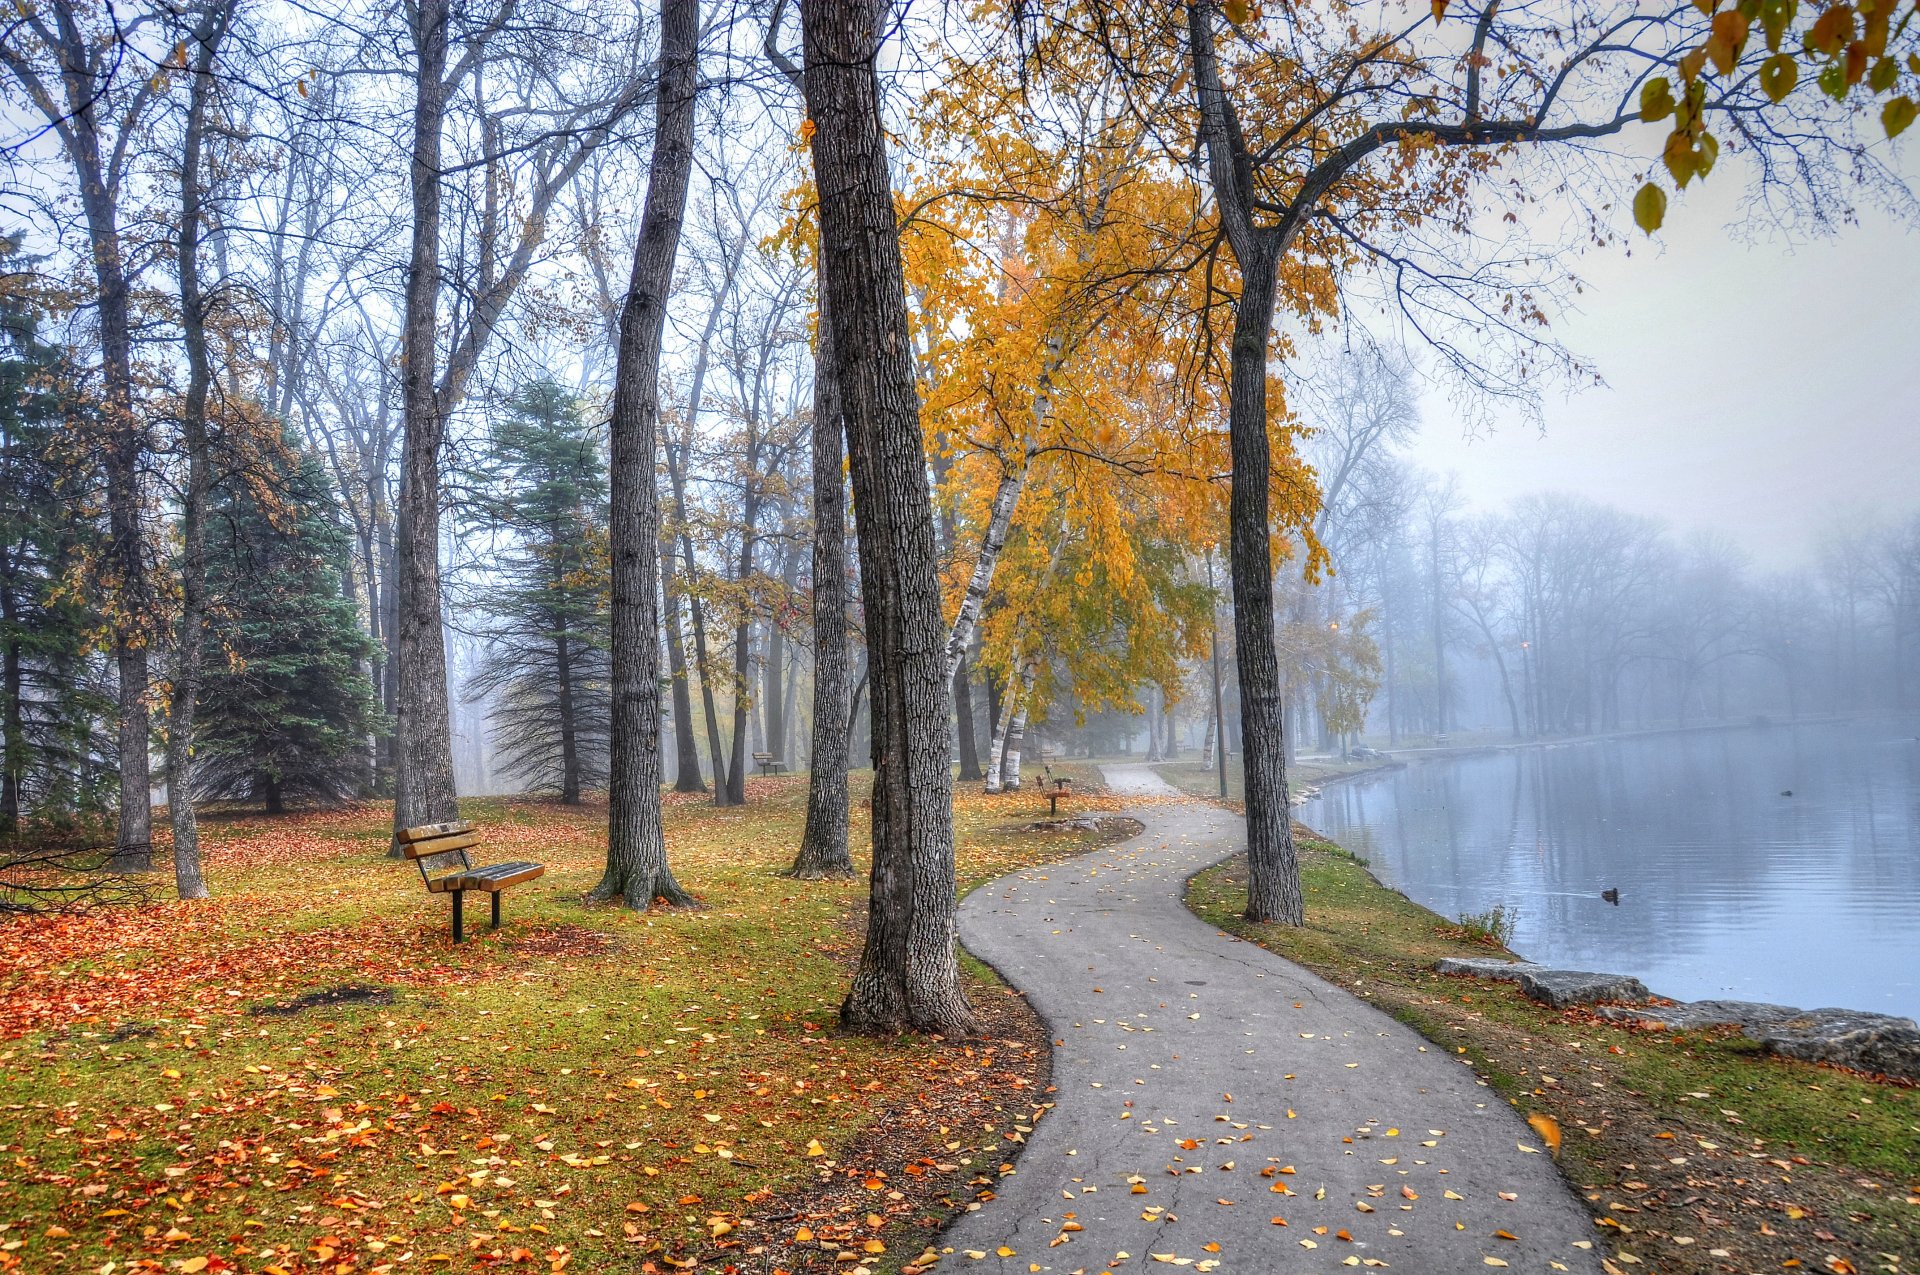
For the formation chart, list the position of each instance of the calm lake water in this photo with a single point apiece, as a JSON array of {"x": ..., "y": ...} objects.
[{"x": 1727, "y": 888}]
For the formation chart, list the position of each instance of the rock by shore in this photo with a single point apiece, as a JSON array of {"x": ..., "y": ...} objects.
[{"x": 1879, "y": 1043}]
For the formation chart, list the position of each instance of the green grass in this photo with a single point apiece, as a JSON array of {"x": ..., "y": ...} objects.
[
  {"x": 595, "y": 1087},
  {"x": 1777, "y": 1161}
]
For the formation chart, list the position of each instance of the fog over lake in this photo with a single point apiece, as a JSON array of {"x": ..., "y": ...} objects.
[{"x": 1728, "y": 887}]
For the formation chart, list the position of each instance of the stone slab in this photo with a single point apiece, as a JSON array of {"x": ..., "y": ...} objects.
[
  {"x": 1562, "y": 989},
  {"x": 1485, "y": 967}
]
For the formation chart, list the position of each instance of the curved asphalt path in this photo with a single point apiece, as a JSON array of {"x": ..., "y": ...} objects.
[{"x": 1188, "y": 1063}]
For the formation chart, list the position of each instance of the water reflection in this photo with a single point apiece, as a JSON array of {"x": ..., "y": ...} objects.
[{"x": 1728, "y": 886}]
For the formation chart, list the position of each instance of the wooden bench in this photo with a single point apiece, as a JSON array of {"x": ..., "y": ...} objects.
[
  {"x": 439, "y": 850},
  {"x": 768, "y": 763},
  {"x": 1062, "y": 787}
]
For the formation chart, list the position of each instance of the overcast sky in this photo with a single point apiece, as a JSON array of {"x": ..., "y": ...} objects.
[{"x": 1764, "y": 389}]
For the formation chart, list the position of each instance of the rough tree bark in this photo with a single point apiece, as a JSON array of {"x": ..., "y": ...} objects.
[
  {"x": 1273, "y": 888},
  {"x": 823, "y": 845},
  {"x": 423, "y": 747},
  {"x": 189, "y": 645},
  {"x": 908, "y": 976},
  {"x": 637, "y": 871}
]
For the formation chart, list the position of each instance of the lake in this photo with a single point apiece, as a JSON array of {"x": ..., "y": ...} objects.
[{"x": 1728, "y": 888}]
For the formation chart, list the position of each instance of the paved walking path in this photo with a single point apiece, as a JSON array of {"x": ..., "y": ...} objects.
[{"x": 1207, "y": 1088}]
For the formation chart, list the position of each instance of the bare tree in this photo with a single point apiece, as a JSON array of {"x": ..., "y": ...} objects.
[
  {"x": 637, "y": 871},
  {"x": 85, "y": 74},
  {"x": 202, "y": 50}
]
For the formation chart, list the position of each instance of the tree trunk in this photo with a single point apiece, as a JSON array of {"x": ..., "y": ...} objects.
[
  {"x": 702, "y": 663},
  {"x": 189, "y": 646},
  {"x": 908, "y": 977},
  {"x": 1273, "y": 889},
  {"x": 569, "y": 719},
  {"x": 637, "y": 871},
  {"x": 686, "y": 749},
  {"x": 823, "y": 846},
  {"x": 13, "y": 735},
  {"x": 1003, "y": 765},
  {"x": 1273, "y": 885},
  {"x": 423, "y": 753},
  {"x": 735, "y": 786},
  {"x": 963, "y": 722}
]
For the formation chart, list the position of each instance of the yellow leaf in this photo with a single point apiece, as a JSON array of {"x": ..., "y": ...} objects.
[
  {"x": 1548, "y": 1128},
  {"x": 1649, "y": 208},
  {"x": 1778, "y": 75},
  {"x": 193, "y": 1265},
  {"x": 1439, "y": 9},
  {"x": 1656, "y": 99},
  {"x": 1897, "y": 114},
  {"x": 1237, "y": 11}
]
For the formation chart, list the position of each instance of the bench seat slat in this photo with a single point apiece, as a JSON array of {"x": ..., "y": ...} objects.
[{"x": 498, "y": 876}]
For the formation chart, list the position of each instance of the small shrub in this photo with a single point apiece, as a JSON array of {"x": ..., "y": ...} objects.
[{"x": 1494, "y": 927}]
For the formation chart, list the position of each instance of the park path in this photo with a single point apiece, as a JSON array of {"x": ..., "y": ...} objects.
[{"x": 1236, "y": 1088}]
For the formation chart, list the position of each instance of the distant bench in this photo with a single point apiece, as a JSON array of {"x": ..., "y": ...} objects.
[
  {"x": 439, "y": 850},
  {"x": 768, "y": 763}
]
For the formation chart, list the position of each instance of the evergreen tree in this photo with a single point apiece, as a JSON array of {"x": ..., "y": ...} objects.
[
  {"x": 55, "y": 763},
  {"x": 287, "y": 707},
  {"x": 546, "y": 671}
]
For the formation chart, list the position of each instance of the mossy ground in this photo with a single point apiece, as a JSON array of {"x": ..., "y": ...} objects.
[
  {"x": 1694, "y": 1152},
  {"x": 593, "y": 1088}
]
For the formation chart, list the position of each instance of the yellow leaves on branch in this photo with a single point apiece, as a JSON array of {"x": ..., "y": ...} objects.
[{"x": 1845, "y": 46}]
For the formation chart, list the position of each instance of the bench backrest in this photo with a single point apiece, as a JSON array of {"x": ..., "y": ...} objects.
[
  {"x": 759, "y": 757},
  {"x": 438, "y": 847}
]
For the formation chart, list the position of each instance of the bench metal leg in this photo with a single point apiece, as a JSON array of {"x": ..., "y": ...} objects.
[
  {"x": 459, "y": 929},
  {"x": 496, "y": 909}
]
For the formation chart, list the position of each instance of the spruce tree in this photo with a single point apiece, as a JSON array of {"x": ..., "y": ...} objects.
[
  {"x": 287, "y": 707},
  {"x": 546, "y": 673},
  {"x": 55, "y": 753}
]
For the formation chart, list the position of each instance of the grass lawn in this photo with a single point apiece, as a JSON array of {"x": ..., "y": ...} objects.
[
  {"x": 586, "y": 1088},
  {"x": 1694, "y": 1152}
]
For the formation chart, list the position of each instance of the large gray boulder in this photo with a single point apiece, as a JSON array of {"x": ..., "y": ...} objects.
[
  {"x": 1695, "y": 1015},
  {"x": 1879, "y": 1043},
  {"x": 1565, "y": 988},
  {"x": 1847, "y": 1038}
]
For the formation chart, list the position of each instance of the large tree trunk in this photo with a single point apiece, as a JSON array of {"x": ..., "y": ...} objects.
[
  {"x": 908, "y": 976},
  {"x": 1273, "y": 884},
  {"x": 637, "y": 871},
  {"x": 189, "y": 646},
  {"x": 1273, "y": 889},
  {"x": 823, "y": 846},
  {"x": 423, "y": 753}
]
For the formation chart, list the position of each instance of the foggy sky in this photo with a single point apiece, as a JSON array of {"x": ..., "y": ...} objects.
[{"x": 1766, "y": 389}]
